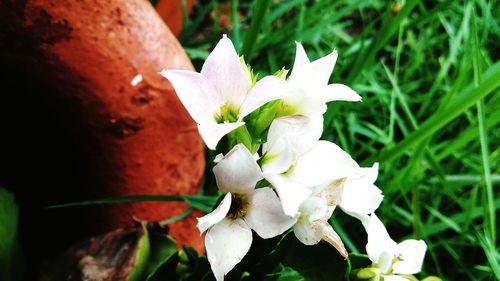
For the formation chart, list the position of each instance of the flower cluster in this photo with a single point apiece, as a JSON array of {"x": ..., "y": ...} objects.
[{"x": 274, "y": 171}]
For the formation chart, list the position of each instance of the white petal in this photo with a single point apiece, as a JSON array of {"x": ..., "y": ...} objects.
[
  {"x": 301, "y": 63},
  {"x": 330, "y": 236},
  {"x": 313, "y": 208},
  {"x": 340, "y": 92},
  {"x": 216, "y": 215},
  {"x": 196, "y": 93},
  {"x": 304, "y": 99},
  {"x": 278, "y": 158},
  {"x": 311, "y": 232},
  {"x": 360, "y": 195},
  {"x": 291, "y": 194},
  {"x": 380, "y": 247},
  {"x": 237, "y": 172},
  {"x": 412, "y": 253},
  {"x": 212, "y": 133},
  {"x": 225, "y": 71},
  {"x": 323, "y": 163},
  {"x": 302, "y": 131},
  {"x": 370, "y": 173},
  {"x": 308, "y": 232},
  {"x": 265, "y": 215},
  {"x": 227, "y": 243},
  {"x": 385, "y": 260},
  {"x": 265, "y": 90},
  {"x": 322, "y": 68}
]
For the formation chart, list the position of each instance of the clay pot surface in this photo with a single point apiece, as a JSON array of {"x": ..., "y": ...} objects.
[
  {"x": 171, "y": 12},
  {"x": 135, "y": 135}
]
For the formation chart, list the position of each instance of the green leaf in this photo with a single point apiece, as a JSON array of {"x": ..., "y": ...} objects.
[
  {"x": 162, "y": 258},
  {"x": 9, "y": 249},
  {"x": 141, "y": 257},
  {"x": 193, "y": 267},
  {"x": 284, "y": 273},
  {"x": 201, "y": 202}
]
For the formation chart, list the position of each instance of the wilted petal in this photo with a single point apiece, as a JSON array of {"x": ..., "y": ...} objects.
[
  {"x": 265, "y": 214},
  {"x": 212, "y": 133},
  {"x": 332, "y": 192},
  {"x": 216, "y": 215},
  {"x": 278, "y": 157},
  {"x": 196, "y": 93},
  {"x": 291, "y": 194},
  {"x": 330, "y": 236},
  {"x": 237, "y": 172},
  {"x": 412, "y": 253},
  {"x": 227, "y": 243},
  {"x": 265, "y": 90},
  {"x": 360, "y": 195},
  {"x": 340, "y": 92},
  {"x": 226, "y": 72},
  {"x": 302, "y": 131},
  {"x": 323, "y": 163}
]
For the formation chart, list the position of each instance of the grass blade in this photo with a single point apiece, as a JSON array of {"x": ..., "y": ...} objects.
[
  {"x": 258, "y": 12},
  {"x": 459, "y": 105}
]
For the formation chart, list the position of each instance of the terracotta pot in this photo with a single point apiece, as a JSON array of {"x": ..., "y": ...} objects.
[
  {"x": 130, "y": 136},
  {"x": 171, "y": 12}
]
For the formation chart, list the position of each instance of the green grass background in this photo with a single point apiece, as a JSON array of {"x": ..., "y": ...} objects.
[{"x": 429, "y": 74}]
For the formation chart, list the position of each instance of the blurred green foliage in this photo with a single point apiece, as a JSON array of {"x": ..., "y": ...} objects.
[{"x": 9, "y": 248}]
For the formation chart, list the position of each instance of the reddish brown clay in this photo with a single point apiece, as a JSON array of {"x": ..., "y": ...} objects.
[
  {"x": 171, "y": 12},
  {"x": 139, "y": 137}
]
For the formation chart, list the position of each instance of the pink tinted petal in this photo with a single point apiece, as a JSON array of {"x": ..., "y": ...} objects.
[
  {"x": 196, "y": 94},
  {"x": 227, "y": 243},
  {"x": 212, "y": 133},
  {"x": 265, "y": 90},
  {"x": 225, "y": 71},
  {"x": 237, "y": 172},
  {"x": 216, "y": 215},
  {"x": 340, "y": 92},
  {"x": 265, "y": 215}
]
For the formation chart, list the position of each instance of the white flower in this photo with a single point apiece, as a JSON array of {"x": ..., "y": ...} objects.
[
  {"x": 221, "y": 95},
  {"x": 310, "y": 90},
  {"x": 361, "y": 197},
  {"x": 390, "y": 257},
  {"x": 295, "y": 162},
  {"x": 243, "y": 208},
  {"x": 312, "y": 225}
]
